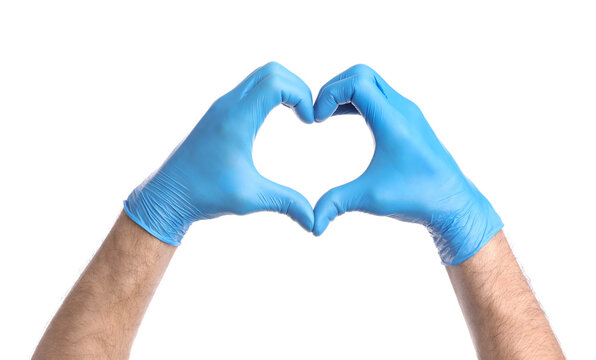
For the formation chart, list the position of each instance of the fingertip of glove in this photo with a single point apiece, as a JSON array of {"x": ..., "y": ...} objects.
[
  {"x": 305, "y": 218},
  {"x": 320, "y": 116},
  {"x": 307, "y": 117},
  {"x": 320, "y": 226},
  {"x": 307, "y": 224},
  {"x": 305, "y": 112}
]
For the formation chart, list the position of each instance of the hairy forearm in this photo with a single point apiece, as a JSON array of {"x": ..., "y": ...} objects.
[
  {"x": 101, "y": 314},
  {"x": 503, "y": 315}
]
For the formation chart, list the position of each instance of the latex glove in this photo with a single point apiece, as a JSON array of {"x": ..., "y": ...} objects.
[
  {"x": 211, "y": 173},
  {"x": 411, "y": 177}
]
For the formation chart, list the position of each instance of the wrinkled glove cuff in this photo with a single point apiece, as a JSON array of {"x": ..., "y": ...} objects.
[
  {"x": 161, "y": 208},
  {"x": 461, "y": 235}
]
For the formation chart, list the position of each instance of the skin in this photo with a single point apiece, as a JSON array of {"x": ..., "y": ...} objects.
[
  {"x": 502, "y": 313},
  {"x": 100, "y": 316}
]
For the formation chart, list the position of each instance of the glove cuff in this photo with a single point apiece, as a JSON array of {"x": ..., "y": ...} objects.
[
  {"x": 161, "y": 207},
  {"x": 462, "y": 234}
]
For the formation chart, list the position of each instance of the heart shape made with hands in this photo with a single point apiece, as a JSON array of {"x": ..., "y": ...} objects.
[
  {"x": 356, "y": 91},
  {"x": 410, "y": 177},
  {"x": 334, "y": 155}
]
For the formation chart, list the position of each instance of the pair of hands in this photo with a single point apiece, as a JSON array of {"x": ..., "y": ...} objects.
[{"x": 411, "y": 177}]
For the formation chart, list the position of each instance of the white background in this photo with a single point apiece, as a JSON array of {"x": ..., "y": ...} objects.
[{"x": 94, "y": 96}]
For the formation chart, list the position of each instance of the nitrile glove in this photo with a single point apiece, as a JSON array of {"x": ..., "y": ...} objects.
[
  {"x": 211, "y": 173},
  {"x": 411, "y": 176}
]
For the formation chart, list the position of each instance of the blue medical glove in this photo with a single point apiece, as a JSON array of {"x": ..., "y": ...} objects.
[
  {"x": 411, "y": 176},
  {"x": 211, "y": 173}
]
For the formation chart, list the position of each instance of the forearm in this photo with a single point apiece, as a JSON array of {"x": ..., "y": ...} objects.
[
  {"x": 102, "y": 312},
  {"x": 504, "y": 317}
]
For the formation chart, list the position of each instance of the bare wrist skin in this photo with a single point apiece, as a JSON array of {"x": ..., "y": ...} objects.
[
  {"x": 503, "y": 315},
  {"x": 101, "y": 314}
]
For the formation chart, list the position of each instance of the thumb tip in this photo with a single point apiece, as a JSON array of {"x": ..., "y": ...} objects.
[
  {"x": 308, "y": 119},
  {"x": 321, "y": 111},
  {"x": 303, "y": 216},
  {"x": 291, "y": 203},
  {"x": 308, "y": 225},
  {"x": 320, "y": 226},
  {"x": 305, "y": 114}
]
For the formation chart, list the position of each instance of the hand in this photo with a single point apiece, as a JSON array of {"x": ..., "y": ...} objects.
[
  {"x": 411, "y": 176},
  {"x": 211, "y": 173}
]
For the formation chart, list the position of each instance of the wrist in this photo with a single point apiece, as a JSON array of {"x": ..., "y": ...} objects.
[
  {"x": 462, "y": 232},
  {"x": 161, "y": 206}
]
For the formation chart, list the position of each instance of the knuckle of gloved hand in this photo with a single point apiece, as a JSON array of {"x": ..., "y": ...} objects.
[
  {"x": 273, "y": 67},
  {"x": 363, "y": 84},
  {"x": 218, "y": 105},
  {"x": 362, "y": 81},
  {"x": 362, "y": 69},
  {"x": 410, "y": 109}
]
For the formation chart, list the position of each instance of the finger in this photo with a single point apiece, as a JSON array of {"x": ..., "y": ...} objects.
[
  {"x": 352, "y": 70},
  {"x": 250, "y": 81},
  {"x": 282, "y": 199},
  {"x": 359, "y": 69},
  {"x": 256, "y": 76},
  {"x": 363, "y": 73},
  {"x": 359, "y": 90},
  {"x": 281, "y": 86},
  {"x": 337, "y": 201}
]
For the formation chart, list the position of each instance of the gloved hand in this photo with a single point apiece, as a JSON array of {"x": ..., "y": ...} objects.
[
  {"x": 211, "y": 173},
  {"x": 411, "y": 176}
]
